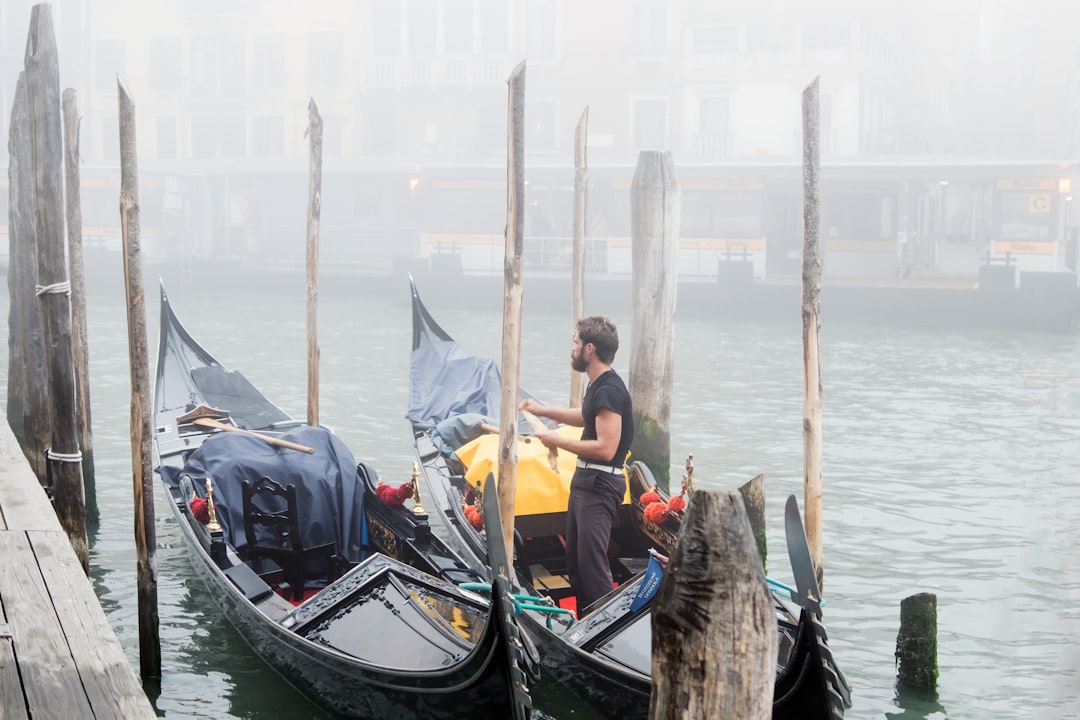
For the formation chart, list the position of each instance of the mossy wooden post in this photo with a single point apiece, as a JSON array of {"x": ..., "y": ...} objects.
[
  {"x": 43, "y": 92},
  {"x": 27, "y": 404},
  {"x": 80, "y": 352},
  {"x": 142, "y": 474},
  {"x": 315, "y": 137},
  {"x": 916, "y": 643},
  {"x": 753, "y": 495},
  {"x": 577, "y": 290},
  {"x": 811, "y": 328},
  {"x": 654, "y": 233},
  {"x": 714, "y": 639},
  {"x": 512, "y": 292}
]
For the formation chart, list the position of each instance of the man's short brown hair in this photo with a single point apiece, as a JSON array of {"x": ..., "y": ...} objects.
[{"x": 602, "y": 333}]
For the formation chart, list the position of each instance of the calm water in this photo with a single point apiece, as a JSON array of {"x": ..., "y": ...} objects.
[{"x": 950, "y": 466}]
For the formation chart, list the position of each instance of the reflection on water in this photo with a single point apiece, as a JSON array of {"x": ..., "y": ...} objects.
[{"x": 948, "y": 468}]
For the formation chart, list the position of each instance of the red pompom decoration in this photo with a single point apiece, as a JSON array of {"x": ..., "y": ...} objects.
[
  {"x": 472, "y": 514},
  {"x": 200, "y": 510},
  {"x": 393, "y": 495},
  {"x": 677, "y": 504},
  {"x": 650, "y": 496},
  {"x": 656, "y": 513}
]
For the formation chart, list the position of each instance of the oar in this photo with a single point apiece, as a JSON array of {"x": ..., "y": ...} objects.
[
  {"x": 539, "y": 426},
  {"x": 210, "y": 422}
]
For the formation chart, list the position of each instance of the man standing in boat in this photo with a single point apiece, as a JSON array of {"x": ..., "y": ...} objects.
[{"x": 598, "y": 486}]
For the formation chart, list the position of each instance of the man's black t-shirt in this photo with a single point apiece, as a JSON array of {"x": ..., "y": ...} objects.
[{"x": 608, "y": 391}]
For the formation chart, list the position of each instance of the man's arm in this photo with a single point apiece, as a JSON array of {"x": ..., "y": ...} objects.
[
  {"x": 608, "y": 433},
  {"x": 566, "y": 416}
]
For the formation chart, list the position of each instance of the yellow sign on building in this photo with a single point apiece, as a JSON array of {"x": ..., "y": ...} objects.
[{"x": 1039, "y": 203}]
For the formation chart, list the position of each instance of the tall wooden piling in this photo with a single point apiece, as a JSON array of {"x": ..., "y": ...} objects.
[
  {"x": 43, "y": 92},
  {"x": 142, "y": 474},
  {"x": 27, "y": 403},
  {"x": 80, "y": 352},
  {"x": 714, "y": 639},
  {"x": 577, "y": 281},
  {"x": 811, "y": 328},
  {"x": 512, "y": 292},
  {"x": 315, "y": 137},
  {"x": 655, "y": 202}
]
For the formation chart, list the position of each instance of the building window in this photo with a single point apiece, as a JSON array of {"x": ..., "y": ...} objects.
[
  {"x": 826, "y": 35},
  {"x": 650, "y": 27},
  {"x": 326, "y": 66},
  {"x": 494, "y": 26},
  {"x": 165, "y": 65},
  {"x": 268, "y": 69},
  {"x": 110, "y": 63},
  {"x": 541, "y": 121},
  {"x": 457, "y": 27},
  {"x": 712, "y": 139},
  {"x": 267, "y": 136},
  {"x": 423, "y": 26},
  {"x": 387, "y": 24},
  {"x": 166, "y": 137},
  {"x": 110, "y": 137},
  {"x": 541, "y": 27},
  {"x": 217, "y": 67},
  {"x": 716, "y": 40},
  {"x": 650, "y": 124},
  {"x": 218, "y": 136}
]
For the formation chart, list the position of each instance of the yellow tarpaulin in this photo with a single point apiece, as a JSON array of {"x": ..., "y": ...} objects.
[{"x": 539, "y": 488}]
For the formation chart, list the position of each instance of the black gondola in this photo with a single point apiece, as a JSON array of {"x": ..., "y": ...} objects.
[
  {"x": 355, "y": 602},
  {"x": 604, "y": 658}
]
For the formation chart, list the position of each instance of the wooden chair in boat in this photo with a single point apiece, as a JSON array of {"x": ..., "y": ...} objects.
[{"x": 269, "y": 505}]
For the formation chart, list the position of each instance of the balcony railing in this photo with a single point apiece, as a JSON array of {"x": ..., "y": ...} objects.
[{"x": 456, "y": 71}]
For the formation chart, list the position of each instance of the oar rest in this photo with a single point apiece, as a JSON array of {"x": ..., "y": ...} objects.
[{"x": 272, "y": 530}]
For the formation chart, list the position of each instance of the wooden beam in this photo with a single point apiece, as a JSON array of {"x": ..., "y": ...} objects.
[
  {"x": 315, "y": 137},
  {"x": 811, "y": 329},
  {"x": 142, "y": 473},
  {"x": 581, "y": 199},
  {"x": 512, "y": 292},
  {"x": 80, "y": 352}
]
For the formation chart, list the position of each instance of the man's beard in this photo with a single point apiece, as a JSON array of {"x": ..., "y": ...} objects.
[{"x": 578, "y": 364}]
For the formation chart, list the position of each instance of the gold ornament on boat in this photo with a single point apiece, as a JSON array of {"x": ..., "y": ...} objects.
[
  {"x": 418, "y": 508},
  {"x": 213, "y": 525}
]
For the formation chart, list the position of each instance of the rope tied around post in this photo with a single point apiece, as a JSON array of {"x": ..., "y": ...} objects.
[
  {"x": 75, "y": 457},
  {"x": 60, "y": 288}
]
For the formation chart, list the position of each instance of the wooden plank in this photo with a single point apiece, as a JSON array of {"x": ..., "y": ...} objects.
[
  {"x": 12, "y": 704},
  {"x": 23, "y": 503},
  {"x": 49, "y": 675},
  {"x": 107, "y": 676}
]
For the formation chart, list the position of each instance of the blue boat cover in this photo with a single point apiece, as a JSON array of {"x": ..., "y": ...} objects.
[
  {"x": 330, "y": 494},
  {"x": 445, "y": 380}
]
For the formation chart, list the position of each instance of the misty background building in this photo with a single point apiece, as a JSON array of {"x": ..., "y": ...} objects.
[{"x": 947, "y": 129}]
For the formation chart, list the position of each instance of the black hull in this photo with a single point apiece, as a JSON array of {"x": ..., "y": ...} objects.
[
  {"x": 616, "y": 684},
  {"x": 374, "y": 642}
]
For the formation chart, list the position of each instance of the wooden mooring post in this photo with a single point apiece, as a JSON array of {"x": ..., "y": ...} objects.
[
  {"x": 142, "y": 473},
  {"x": 916, "y": 643},
  {"x": 512, "y": 296},
  {"x": 46, "y": 142},
  {"x": 577, "y": 279},
  {"x": 655, "y": 202},
  {"x": 80, "y": 348},
  {"x": 315, "y": 138},
  {"x": 753, "y": 495},
  {"x": 811, "y": 329},
  {"x": 714, "y": 639},
  {"x": 27, "y": 404}
]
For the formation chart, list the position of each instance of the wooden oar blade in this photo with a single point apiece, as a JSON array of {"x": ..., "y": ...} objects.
[{"x": 203, "y": 411}]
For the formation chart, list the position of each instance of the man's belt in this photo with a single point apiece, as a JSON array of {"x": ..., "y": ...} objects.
[{"x": 589, "y": 465}]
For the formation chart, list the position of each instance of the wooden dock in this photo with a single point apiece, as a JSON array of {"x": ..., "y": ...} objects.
[{"x": 59, "y": 658}]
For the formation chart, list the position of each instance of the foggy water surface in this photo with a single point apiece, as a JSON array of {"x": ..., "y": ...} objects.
[{"x": 950, "y": 463}]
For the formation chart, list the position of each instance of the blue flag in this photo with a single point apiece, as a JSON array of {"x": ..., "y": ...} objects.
[{"x": 649, "y": 584}]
